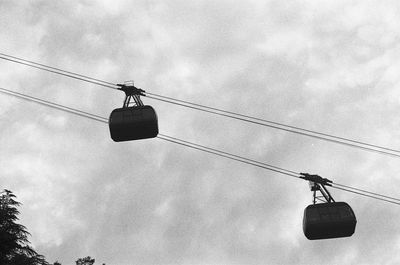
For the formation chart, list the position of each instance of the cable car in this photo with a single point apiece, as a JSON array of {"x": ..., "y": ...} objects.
[
  {"x": 133, "y": 122},
  {"x": 329, "y": 219}
]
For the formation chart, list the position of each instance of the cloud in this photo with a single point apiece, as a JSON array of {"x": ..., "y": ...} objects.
[{"x": 327, "y": 66}]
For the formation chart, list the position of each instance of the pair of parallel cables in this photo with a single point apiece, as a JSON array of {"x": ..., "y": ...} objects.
[{"x": 280, "y": 126}]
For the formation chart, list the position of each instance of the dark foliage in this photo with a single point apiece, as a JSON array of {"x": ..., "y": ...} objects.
[
  {"x": 14, "y": 243},
  {"x": 85, "y": 261}
]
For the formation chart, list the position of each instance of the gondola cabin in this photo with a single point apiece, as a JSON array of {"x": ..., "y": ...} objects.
[
  {"x": 328, "y": 220},
  {"x": 133, "y": 123}
]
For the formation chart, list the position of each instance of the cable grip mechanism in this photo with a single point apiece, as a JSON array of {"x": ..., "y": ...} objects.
[
  {"x": 317, "y": 183},
  {"x": 316, "y": 179},
  {"x": 131, "y": 92}
]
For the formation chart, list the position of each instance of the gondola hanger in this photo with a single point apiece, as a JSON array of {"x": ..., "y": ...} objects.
[
  {"x": 131, "y": 92},
  {"x": 328, "y": 219},
  {"x": 133, "y": 121}
]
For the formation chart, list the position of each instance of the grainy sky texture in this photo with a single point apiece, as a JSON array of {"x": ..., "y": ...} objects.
[{"x": 330, "y": 66}]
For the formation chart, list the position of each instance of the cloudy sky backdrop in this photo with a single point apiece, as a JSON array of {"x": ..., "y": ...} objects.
[{"x": 330, "y": 66}]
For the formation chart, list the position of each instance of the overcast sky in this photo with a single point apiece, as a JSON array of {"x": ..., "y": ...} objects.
[{"x": 330, "y": 66}]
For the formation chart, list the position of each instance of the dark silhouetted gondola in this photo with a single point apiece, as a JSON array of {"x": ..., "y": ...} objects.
[
  {"x": 326, "y": 220},
  {"x": 133, "y": 122}
]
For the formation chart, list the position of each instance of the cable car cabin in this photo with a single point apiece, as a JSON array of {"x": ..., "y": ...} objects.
[
  {"x": 133, "y": 123},
  {"x": 328, "y": 220}
]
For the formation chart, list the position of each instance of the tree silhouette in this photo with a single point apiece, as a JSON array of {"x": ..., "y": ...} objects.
[
  {"x": 14, "y": 243},
  {"x": 85, "y": 261}
]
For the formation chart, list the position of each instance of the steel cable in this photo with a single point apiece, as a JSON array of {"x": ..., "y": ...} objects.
[
  {"x": 246, "y": 118},
  {"x": 203, "y": 148}
]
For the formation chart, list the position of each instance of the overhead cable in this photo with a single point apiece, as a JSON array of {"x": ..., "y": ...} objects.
[
  {"x": 319, "y": 136},
  {"x": 230, "y": 156},
  {"x": 381, "y": 197},
  {"x": 216, "y": 111},
  {"x": 55, "y": 70},
  {"x": 206, "y": 149}
]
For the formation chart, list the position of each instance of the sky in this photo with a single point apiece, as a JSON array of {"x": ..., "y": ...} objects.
[{"x": 329, "y": 66}]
